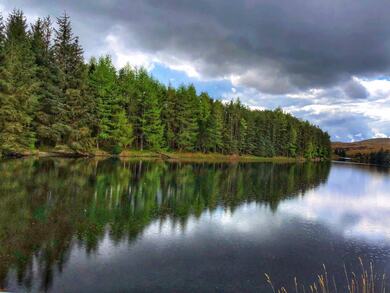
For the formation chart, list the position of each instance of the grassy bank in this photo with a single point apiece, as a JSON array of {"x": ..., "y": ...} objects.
[
  {"x": 169, "y": 156},
  {"x": 217, "y": 157}
]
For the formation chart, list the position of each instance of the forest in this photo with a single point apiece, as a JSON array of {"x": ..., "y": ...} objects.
[
  {"x": 381, "y": 157},
  {"x": 50, "y": 97}
]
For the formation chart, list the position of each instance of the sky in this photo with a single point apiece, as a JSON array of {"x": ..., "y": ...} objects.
[{"x": 326, "y": 61}]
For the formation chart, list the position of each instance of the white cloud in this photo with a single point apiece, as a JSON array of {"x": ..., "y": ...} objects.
[
  {"x": 130, "y": 54},
  {"x": 361, "y": 212},
  {"x": 379, "y": 134},
  {"x": 345, "y": 118},
  {"x": 377, "y": 87},
  {"x": 122, "y": 56}
]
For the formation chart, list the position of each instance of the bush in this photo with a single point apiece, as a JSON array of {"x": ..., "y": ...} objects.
[{"x": 116, "y": 149}]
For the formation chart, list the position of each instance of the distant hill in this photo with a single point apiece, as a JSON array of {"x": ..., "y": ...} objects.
[
  {"x": 372, "y": 151},
  {"x": 363, "y": 147}
]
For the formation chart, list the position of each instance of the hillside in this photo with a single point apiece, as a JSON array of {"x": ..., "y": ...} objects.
[
  {"x": 363, "y": 147},
  {"x": 373, "y": 151}
]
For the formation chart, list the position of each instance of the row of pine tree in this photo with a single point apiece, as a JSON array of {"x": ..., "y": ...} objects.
[{"x": 50, "y": 97}]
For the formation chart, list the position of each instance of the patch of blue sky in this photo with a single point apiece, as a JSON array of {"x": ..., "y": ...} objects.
[{"x": 215, "y": 88}]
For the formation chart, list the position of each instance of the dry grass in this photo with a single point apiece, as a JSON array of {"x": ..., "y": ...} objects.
[
  {"x": 217, "y": 157},
  {"x": 170, "y": 156},
  {"x": 138, "y": 154},
  {"x": 366, "y": 281}
]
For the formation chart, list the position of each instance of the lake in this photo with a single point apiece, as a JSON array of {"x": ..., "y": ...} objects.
[{"x": 81, "y": 225}]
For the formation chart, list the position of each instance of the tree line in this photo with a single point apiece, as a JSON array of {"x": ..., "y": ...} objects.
[
  {"x": 50, "y": 97},
  {"x": 381, "y": 157}
]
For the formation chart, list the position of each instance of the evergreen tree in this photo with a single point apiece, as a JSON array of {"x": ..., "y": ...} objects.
[
  {"x": 169, "y": 118},
  {"x": 48, "y": 92},
  {"x": 76, "y": 119},
  {"x": 113, "y": 131},
  {"x": 17, "y": 87},
  {"x": 151, "y": 122},
  {"x": 148, "y": 126},
  {"x": 234, "y": 128},
  {"x": 292, "y": 144},
  {"x": 204, "y": 119},
  {"x": 127, "y": 89},
  {"x": 214, "y": 128},
  {"x": 188, "y": 112}
]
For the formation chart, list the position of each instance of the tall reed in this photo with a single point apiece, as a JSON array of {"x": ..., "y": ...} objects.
[{"x": 366, "y": 281}]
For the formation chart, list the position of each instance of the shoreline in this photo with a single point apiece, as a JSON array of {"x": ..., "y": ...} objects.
[{"x": 165, "y": 156}]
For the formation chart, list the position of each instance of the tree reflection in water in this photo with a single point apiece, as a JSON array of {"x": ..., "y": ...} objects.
[{"x": 48, "y": 206}]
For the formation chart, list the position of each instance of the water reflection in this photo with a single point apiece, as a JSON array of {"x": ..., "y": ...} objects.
[
  {"x": 57, "y": 215},
  {"x": 356, "y": 202}
]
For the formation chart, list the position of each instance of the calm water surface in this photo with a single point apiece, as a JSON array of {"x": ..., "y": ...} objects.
[{"x": 114, "y": 226}]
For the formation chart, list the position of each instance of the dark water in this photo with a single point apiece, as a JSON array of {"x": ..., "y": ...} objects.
[{"x": 113, "y": 226}]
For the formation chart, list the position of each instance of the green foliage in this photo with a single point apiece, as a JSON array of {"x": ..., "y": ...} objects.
[
  {"x": 17, "y": 87},
  {"x": 50, "y": 97},
  {"x": 76, "y": 118},
  {"x": 113, "y": 128},
  {"x": 48, "y": 92},
  {"x": 150, "y": 121},
  {"x": 214, "y": 128},
  {"x": 187, "y": 118},
  {"x": 141, "y": 101}
]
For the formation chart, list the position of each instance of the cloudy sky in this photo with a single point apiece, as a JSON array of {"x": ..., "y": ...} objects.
[{"x": 327, "y": 61}]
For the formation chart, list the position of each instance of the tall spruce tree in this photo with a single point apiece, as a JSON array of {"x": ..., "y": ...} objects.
[
  {"x": 151, "y": 122},
  {"x": 127, "y": 90},
  {"x": 147, "y": 113},
  {"x": 114, "y": 131},
  {"x": 48, "y": 92},
  {"x": 203, "y": 122},
  {"x": 17, "y": 87},
  {"x": 169, "y": 118},
  {"x": 214, "y": 128},
  {"x": 76, "y": 119},
  {"x": 188, "y": 113}
]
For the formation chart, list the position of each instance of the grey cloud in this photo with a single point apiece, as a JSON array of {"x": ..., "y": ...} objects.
[
  {"x": 332, "y": 109},
  {"x": 355, "y": 90},
  {"x": 342, "y": 125},
  {"x": 276, "y": 46}
]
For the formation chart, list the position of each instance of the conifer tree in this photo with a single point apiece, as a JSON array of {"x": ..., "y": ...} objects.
[
  {"x": 17, "y": 87},
  {"x": 187, "y": 118},
  {"x": 113, "y": 129},
  {"x": 48, "y": 92},
  {"x": 215, "y": 128},
  {"x": 146, "y": 112},
  {"x": 169, "y": 118},
  {"x": 76, "y": 119},
  {"x": 127, "y": 90},
  {"x": 151, "y": 122},
  {"x": 203, "y": 121}
]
